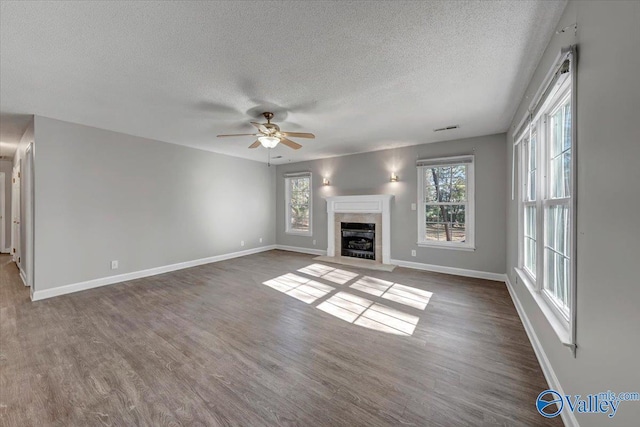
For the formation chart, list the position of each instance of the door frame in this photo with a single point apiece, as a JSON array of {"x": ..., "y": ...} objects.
[
  {"x": 15, "y": 212},
  {"x": 3, "y": 213},
  {"x": 28, "y": 216}
]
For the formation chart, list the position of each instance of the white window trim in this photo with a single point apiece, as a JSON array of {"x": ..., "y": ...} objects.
[
  {"x": 558, "y": 323},
  {"x": 562, "y": 323},
  {"x": 287, "y": 201},
  {"x": 469, "y": 245}
]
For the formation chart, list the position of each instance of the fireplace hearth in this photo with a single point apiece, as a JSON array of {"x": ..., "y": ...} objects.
[{"x": 358, "y": 240}]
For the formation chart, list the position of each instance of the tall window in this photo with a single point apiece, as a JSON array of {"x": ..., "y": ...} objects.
[
  {"x": 529, "y": 204},
  {"x": 558, "y": 205},
  {"x": 298, "y": 203},
  {"x": 446, "y": 195},
  {"x": 546, "y": 221}
]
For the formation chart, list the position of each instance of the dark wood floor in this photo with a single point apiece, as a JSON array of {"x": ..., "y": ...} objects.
[{"x": 213, "y": 345}]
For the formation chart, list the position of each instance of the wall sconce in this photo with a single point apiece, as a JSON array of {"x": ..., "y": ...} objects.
[
  {"x": 394, "y": 177},
  {"x": 325, "y": 181}
]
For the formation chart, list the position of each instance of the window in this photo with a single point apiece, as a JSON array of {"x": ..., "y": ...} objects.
[
  {"x": 546, "y": 205},
  {"x": 298, "y": 203},
  {"x": 557, "y": 206},
  {"x": 445, "y": 193},
  {"x": 529, "y": 205}
]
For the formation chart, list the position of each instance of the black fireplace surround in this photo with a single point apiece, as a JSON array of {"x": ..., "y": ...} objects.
[{"x": 358, "y": 240}]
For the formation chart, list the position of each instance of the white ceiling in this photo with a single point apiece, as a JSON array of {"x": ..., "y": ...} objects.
[{"x": 362, "y": 76}]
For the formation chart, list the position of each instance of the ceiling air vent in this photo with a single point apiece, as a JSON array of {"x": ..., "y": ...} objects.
[{"x": 447, "y": 128}]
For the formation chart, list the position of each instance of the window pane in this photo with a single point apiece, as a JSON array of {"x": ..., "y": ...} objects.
[
  {"x": 530, "y": 172},
  {"x": 299, "y": 217},
  {"x": 446, "y": 184},
  {"x": 560, "y": 148},
  {"x": 557, "y": 129},
  {"x": 532, "y": 153},
  {"x": 530, "y": 239},
  {"x": 445, "y": 222},
  {"x": 557, "y": 278},
  {"x": 530, "y": 256},
  {"x": 566, "y": 141},
  {"x": 532, "y": 186},
  {"x": 557, "y": 250},
  {"x": 557, "y": 229},
  {"x": 566, "y": 173}
]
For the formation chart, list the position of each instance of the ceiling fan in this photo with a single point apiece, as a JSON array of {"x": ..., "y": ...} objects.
[{"x": 269, "y": 135}]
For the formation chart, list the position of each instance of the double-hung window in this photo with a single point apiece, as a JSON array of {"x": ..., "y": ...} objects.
[
  {"x": 529, "y": 205},
  {"x": 446, "y": 196},
  {"x": 547, "y": 228},
  {"x": 298, "y": 203},
  {"x": 557, "y": 205}
]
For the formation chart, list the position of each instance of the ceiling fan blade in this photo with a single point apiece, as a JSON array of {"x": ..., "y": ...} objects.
[
  {"x": 238, "y": 134},
  {"x": 289, "y": 143},
  {"x": 260, "y": 127},
  {"x": 298, "y": 134},
  {"x": 255, "y": 144}
]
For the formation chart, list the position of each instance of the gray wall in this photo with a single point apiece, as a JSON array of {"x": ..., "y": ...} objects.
[
  {"x": 608, "y": 111},
  {"x": 6, "y": 166},
  {"x": 103, "y": 196},
  {"x": 369, "y": 173}
]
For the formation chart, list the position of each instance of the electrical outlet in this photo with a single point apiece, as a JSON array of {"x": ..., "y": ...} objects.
[
  {"x": 114, "y": 265},
  {"x": 413, "y": 252},
  {"x": 413, "y": 206},
  {"x": 314, "y": 242},
  {"x": 261, "y": 240},
  {"x": 241, "y": 242}
]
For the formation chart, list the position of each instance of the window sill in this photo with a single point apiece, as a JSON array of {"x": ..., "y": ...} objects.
[
  {"x": 560, "y": 326},
  {"x": 445, "y": 246},
  {"x": 300, "y": 233}
]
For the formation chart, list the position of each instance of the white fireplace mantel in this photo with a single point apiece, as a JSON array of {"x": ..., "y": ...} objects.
[{"x": 375, "y": 203}]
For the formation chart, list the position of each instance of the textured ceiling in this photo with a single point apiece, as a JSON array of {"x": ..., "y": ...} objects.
[{"x": 362, "y": 76}]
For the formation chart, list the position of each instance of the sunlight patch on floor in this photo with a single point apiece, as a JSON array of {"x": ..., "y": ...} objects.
[
  {"x": 331, "y": 274},
  {"x": 363, "y": 312},
  {"x": 353, "y": 308},
  {"x": 403, "y": 294},
  {"x": 306, "y": 290}
]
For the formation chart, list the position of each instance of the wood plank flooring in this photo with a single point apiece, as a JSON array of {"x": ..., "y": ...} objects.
[{"x": 213, "y": 345}]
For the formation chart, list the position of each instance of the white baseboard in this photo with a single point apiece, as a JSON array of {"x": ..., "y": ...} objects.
[
  {"x": 5, "y": 251},
  {"x": 450, "y": 270},
  {"x": 301, "y": 250},
  {"x": 95, "y": 283},
  {"x": 568, "y": 417},
  {"x": 23, "y": 276}
]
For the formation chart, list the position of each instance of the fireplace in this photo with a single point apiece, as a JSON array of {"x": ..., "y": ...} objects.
[
  {"x": 374, "y": 211},
  {"x": 358, "y": 240}
]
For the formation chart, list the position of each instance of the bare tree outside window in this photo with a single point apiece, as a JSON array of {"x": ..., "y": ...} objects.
[
  {"x": 298, "y": 204},
  {"x": 445, "y": 203}
]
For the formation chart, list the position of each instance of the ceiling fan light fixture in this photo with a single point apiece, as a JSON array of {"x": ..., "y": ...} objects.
[{"x": 268, "y": 141}]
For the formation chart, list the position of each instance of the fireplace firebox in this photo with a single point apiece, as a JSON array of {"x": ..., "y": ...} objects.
[{"x": 358, "y": 240}]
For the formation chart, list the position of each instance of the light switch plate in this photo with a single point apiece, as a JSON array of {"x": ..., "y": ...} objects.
[{"x": 413, "y": 206}]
